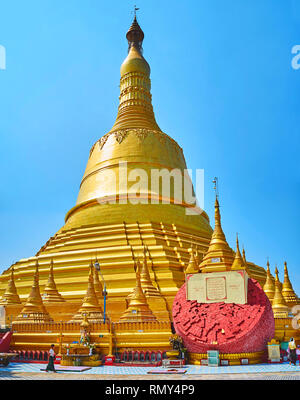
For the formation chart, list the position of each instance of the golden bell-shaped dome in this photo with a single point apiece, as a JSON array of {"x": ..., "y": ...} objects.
[
  {"x": 135, "y": 144},
  {"x": 135, "y": 62}
]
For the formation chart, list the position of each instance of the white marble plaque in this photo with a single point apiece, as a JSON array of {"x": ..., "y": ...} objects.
[{"x": 216, "y": 287}]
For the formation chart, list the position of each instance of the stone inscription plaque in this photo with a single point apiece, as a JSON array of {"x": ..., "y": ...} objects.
[{"x": 216, "y": 287}]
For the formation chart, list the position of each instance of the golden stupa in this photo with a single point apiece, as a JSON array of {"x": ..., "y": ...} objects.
[
  {"x": 269, "y": 286},
  {"x": 112, "y": 222},
  {"x": 10, "y": 295},
  {"x": 51, "y": 294},
  {"x": 138, "y": 309},
  {"x": 219, "y": 256},
  {"x": 90, "y": 305},
  {"x": 280, "y": 308},
  {"x": 238, "y": 262},
  {"x": 34, "y": 310},
  {"x": 288, "y": 292},
  {"x": 193, "y": 266}
]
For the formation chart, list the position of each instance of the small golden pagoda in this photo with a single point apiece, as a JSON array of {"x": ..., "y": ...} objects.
[
  {"x": 51, "y": 294},
  {"x": 193, "y": 267},
  {"x": 219, "y": 256},
  {"x": 149, "y": 289},
  {"x": 280, "y": 308},
  {"x": 90, "y": 305},
  {"x": 10, "y": 295},
  {"x": 138, "y": 309},
  {"x": 269, "y": 286},
  {"x": 238, "y": 262},
  {"x": 34, "y": 310},
  {"x": 288, "y": 292}
]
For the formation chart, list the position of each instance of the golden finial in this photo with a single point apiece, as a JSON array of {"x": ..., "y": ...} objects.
[
  {"x": 135, "y": 35},
  {"x": 216, "y": 186},
  {"x": 51, "y": 294},
  {"x": 135, "y": 10},
  {"x": 10, "y": 295}
]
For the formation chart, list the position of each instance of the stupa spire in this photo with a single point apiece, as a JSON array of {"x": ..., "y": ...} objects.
[
  {"x": 238, "y": 262},
  {"x": 269, "y": 286},
  {"x": 34, "y": 309},
  {"x": 219, "y": 255},
  {"x": 244, "y": 256},
  {"x": 193, "y": 267},
  {"x": 10, "y": 295},
  {"x": 279, "y": 306},
  {"x": 288, "y": 292},
  {"x": 51, "y": 294},
  {"x": 137, "y": 309},
  {"x": 148, "y": 288},
  {"x": 90, "y": 306},
  {"x": 135, "y": 108}
]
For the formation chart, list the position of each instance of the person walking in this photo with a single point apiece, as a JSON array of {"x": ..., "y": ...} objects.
[
  {"x": 50, "y": 366},
  {"x": 292, "y": 351}
]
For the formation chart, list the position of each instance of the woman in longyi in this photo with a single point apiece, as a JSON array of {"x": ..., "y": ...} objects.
[{"x": 292, "y": 351}]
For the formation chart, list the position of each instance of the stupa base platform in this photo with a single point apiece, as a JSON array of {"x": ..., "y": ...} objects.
[
  {"x": 230, "y": 359},
  {"x": 149, "y": 336}
]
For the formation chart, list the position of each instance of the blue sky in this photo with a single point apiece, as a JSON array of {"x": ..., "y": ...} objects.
[{"x": 223, "y": 88}]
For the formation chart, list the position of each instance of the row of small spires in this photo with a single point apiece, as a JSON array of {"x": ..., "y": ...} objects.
[
  {"x": 136, "y": 304},
  {"x": 220, "y": 257},
  {"x": 195, "y": 264},
  {"x": 281, "y": 295}
]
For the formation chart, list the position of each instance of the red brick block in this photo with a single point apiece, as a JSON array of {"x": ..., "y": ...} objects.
[{"x": 247, "y": 328}]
